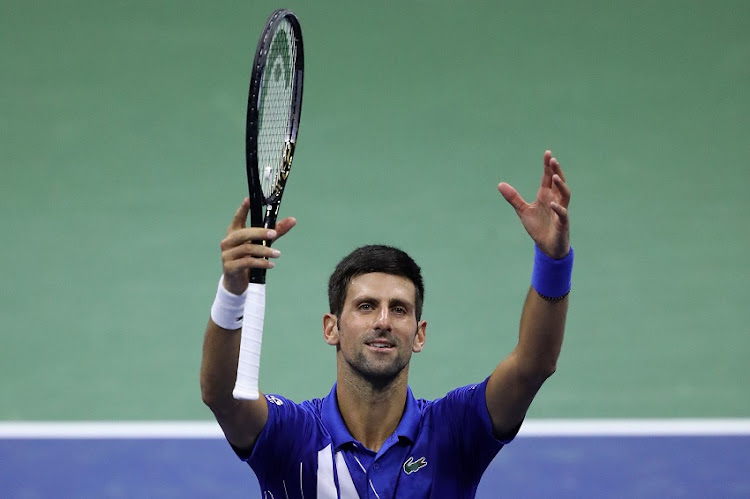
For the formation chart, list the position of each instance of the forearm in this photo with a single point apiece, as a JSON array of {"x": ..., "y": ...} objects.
[
  {"x": 541, "y": 335},
  {"x": 517, "y": 379},
  {"x": 219, "y": 365}
]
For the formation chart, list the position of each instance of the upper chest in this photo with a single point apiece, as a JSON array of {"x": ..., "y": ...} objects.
[{"x": 402, "y": 468}]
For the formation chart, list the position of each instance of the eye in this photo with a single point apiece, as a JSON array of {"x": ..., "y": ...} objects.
[
  {"x": 365, "y": 306},
  {"x": 399, "y": 310}
]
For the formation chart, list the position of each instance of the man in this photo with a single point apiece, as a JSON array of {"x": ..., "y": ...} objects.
[{"x": 370, "y": 437}]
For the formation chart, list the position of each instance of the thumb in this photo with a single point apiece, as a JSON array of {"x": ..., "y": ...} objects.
[
  {"x": 512, "y": 196},
  {"x": 240, "y": 216}
]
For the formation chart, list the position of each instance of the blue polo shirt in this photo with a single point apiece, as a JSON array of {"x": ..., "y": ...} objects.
[{"x": 440, "y": 449}]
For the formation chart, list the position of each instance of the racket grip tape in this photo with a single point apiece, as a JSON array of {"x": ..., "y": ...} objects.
[{"x": 248, "y": 365}]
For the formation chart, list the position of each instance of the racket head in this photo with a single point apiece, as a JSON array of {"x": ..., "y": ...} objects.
[{"x": 273, "y": 114}]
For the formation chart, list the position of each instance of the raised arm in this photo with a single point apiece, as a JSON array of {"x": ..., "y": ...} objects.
[
  {"x": 241, "y": 420},
  {"x": 517, "y": 379}
]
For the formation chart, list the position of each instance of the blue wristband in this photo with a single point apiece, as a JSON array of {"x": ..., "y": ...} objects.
[{"x": 551, "y": 278}]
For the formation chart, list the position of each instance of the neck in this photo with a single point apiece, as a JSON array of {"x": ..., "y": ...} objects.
[{"x": 371, "y": 411}]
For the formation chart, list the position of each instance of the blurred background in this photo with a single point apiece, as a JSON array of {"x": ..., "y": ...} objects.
[{"x": 122, "y": 156}]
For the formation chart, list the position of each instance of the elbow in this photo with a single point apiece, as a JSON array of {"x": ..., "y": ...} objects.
[
  {"x": 534, "y": 369},
  {"x": 545, "y": 367},
  {"x": 220, "y": 405},
  {"x": 212, "y": 396},
  {"x": 208, "y": 396},
  {"x": 539, "y": 373},
  {"x": 548, "y": 371}
]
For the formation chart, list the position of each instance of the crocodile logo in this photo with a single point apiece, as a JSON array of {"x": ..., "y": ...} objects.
[{"x": 410, "y": 466}]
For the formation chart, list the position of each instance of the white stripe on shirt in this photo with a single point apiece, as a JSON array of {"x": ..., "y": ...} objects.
[
  {"x": 373, "y": 489},
  {"x": 326, "y": 488},
  {"x": 346, "y": 484}
]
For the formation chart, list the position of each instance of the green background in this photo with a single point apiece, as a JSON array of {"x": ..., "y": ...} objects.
[{"x": 122, "y": 156}]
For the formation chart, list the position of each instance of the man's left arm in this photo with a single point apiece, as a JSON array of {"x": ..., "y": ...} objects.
[{"x": 516, "y": 380}]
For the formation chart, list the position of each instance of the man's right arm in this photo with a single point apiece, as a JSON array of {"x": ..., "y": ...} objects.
[{"x": 241, "y": 420}]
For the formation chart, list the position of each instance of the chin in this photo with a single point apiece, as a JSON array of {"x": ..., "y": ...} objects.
[{"x": 381, "y": 376}]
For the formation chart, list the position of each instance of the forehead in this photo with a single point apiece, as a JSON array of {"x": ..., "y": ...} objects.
[{"x": 381, "y": 286}]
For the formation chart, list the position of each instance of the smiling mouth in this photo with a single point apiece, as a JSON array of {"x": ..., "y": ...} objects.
[{"x": 380, "y": 345}]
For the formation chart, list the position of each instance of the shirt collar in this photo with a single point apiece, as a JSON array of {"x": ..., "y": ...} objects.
[{"x": 334, "y": 422}]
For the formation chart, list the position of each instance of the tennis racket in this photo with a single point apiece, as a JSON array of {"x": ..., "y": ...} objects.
[{"x": 273, "y": 114}]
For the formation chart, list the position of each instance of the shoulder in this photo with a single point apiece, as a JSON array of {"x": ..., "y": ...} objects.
[
  {"x": 461, "y": 396},
  {"x": 291, "y": 429},
  {"x": 289, "y": 420},
  {"x": 283, "y": 407},
  {"x": 461, "y": 410}
]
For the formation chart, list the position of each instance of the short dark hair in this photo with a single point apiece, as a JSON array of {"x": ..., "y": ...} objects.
[{"x": 368, "y": 259}]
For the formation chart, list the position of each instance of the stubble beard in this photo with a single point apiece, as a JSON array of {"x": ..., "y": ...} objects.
[
  {"x": 381, "y": 374},
  {"x": 378, "y": 374}
]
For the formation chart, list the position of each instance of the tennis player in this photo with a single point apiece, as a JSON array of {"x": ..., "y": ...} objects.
[{"x": 370, "y": 437}]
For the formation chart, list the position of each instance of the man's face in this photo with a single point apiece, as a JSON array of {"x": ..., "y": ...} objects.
[{"x": 378, "y": 329}]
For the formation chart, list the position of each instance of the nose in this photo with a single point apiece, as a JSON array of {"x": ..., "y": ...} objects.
[{"x": 383, "y": 319}]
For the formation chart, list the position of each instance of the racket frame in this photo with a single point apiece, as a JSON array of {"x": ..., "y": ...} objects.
[{"x": 264, "y": 210}]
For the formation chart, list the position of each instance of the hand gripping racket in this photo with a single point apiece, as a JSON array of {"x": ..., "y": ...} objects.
[{"x": 273, "y": 113}]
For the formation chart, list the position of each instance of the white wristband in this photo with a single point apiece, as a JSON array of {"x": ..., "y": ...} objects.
[{"x": 228, "y": 308}]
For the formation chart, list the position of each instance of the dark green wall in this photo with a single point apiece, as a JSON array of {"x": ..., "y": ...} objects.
[{"x": 121, "y": 148}]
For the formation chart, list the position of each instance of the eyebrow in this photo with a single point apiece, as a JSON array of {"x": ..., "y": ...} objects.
[
  {"x": 391, "y": 302},
  {"x": 398, "y": 302}
]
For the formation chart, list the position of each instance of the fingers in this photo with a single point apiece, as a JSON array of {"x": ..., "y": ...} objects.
[
  {"x": 285, "y": 225},
  {"x": 555, "y": 168},
  {"x": 246, "y": 235},
  {"x": 560, "y": 207},
  {"x": 512, "y": 196},
  {"x": 563, "y": 189},
  {"x": 546, "y": 219},
  {"x": 561, "y": 211},
  {"x": 547, "y": 173},
  {"x": 248, "y": 255},
  {"x": 244, "y": 247},
  {"x": 237, "y": 233},
  {"x": 240, "y": 216},
  {"x": 557, "y": 178},
  {"x": 255, "y": 234}
]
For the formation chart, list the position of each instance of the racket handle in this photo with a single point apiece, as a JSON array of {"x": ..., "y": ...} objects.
[{"x": 248, "y": 366}]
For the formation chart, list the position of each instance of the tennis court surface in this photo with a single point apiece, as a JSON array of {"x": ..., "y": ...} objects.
[{"x": 565, "y": 459}]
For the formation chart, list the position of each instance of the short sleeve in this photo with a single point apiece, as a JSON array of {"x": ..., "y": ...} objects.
[
  {"x": 463, "y": 412},
  {"x": 288, "y": 428}
]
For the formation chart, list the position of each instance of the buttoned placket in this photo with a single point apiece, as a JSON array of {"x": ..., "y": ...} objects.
[
  {"x": 388, "y": 460},
  {"x": 381, "y": 471}
]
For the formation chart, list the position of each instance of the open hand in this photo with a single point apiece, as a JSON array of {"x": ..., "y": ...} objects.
[{"x": 546, "y": 219}]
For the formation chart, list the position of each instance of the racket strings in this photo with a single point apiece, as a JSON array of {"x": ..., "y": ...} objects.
[{"x": 274, "y": 113}]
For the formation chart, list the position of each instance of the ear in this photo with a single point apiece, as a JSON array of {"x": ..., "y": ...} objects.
[
  {"x": 331, "y": 329},
  {"x": 420, "y": 337}
]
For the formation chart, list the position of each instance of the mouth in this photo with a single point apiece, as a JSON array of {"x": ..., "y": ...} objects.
[{"x": 380, "y": 345}]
